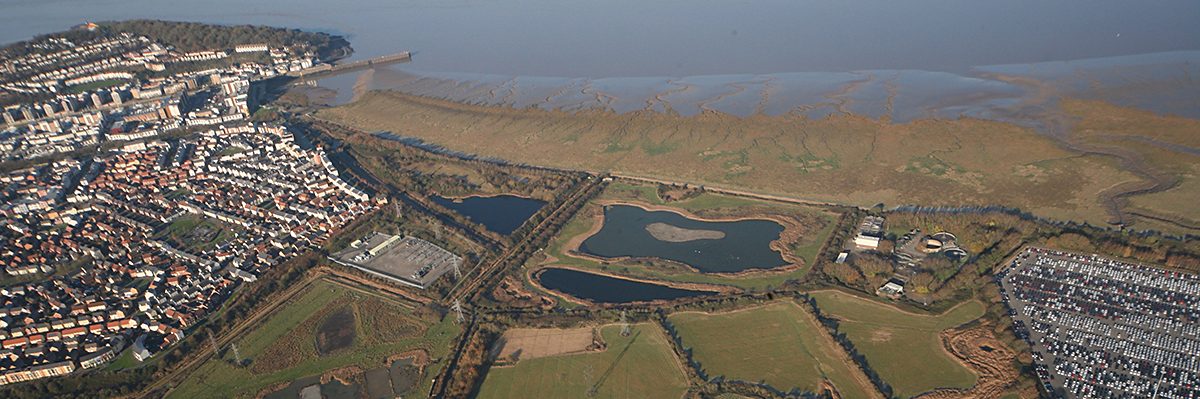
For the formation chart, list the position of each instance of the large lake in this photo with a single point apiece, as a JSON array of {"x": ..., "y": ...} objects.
[
  {"x": 769, "y": 56},
  {"x": 744, "y": 244},
  {"x": 502, "y": 213},
  {"x": 604, "y": 289}
]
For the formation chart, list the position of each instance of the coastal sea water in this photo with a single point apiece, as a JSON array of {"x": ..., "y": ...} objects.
[
  {"x": 634, "y": 38},
  {"x": 1160, "y": 82},
  {"x": 900, "y": 60}
]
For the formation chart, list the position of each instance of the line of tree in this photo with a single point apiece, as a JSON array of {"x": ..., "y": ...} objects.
[
  {"x": 27, "y": 47},
  {"x": 685, "y": 352},
  {"x": 191, "y": 36},
  {"x": 831, "y": 325},
  {"x": 194, "y": 36},
  {"x": 757, "y": 388},
  {"x": 989, "y": 235},
  {"x": 465, "y": 374},
  {"x": 529, "y": 245}
]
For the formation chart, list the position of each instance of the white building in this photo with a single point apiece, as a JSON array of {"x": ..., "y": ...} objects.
[
  {"x": 866, "y": 242},
  {"x": 250, "y": 48}
]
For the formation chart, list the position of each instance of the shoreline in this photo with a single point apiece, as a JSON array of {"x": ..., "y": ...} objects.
[
  {"x": 532, "y": 275},
  {"x": 571, "y": 247},
  {"x": 685, "y": 213},
  {"x": 667, "y": 232},
  {"x": 460, "y": 198}
]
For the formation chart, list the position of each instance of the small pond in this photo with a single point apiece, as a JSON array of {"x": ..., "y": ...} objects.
[
  {"x": 502, "y": 213},
  {"x": 334, "y": 389},
  {"x": 710, "y": 247},
  {"x": 397, "y": 380},
  {"x": 605, "y": 289}
]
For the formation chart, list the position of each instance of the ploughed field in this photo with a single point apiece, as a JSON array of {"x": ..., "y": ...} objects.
[
  {"x": 640, "y": 365},
  {"x": 532, "y": 343},
  {"x": 780, "y": 344},
  {"x": 903, "y": 348},
  {"x": 327, "y": 327}
]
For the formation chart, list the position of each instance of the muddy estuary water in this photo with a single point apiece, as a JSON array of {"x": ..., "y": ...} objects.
[
  {"x": 605, "y": 289},
  {"x": 743, "y": 245},
  {"x": 896, "y": 59}
]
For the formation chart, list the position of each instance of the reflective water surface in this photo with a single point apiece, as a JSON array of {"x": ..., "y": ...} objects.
[
  {"x": 745, "y": 244},
  {"x": 502, "y": 213},
  {"x": 604, "y": 289},
  {"x": 896, "y": 59}
]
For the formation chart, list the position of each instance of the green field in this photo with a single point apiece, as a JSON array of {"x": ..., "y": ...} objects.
[
  {"x": 649, "y": 194},
  {"x": 706, "y": 205},
  {"x": 902, "y": 347},
  {"x": 123, "y": 361},
  {"x": 777, "y": 343},
  {"x": 63, "y": 269},
  {"x": 638, "y": 366},
  {"x": 283, "y": 347},
  {"x": 193, "y": 232}
]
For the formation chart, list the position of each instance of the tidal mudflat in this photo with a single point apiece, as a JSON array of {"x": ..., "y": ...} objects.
[{"x": 770, "y": 56}]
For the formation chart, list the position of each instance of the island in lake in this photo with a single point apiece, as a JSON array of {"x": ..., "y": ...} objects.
[{"x": 669, "y": 233}]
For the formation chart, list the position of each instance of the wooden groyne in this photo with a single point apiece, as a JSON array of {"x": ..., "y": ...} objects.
[{"x": 328, "y": 68}]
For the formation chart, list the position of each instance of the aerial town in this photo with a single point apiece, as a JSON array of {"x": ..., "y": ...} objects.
[
  {"x": 272, "y": 196},
  {"x": 215, "y": 210},
  {"x": 89, "y": 95}
]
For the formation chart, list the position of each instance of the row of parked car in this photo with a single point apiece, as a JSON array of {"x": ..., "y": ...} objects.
[{"x": 1103, "y": 328}]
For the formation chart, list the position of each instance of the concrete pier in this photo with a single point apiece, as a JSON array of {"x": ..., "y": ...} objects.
[{"x": 327, "y": 68}]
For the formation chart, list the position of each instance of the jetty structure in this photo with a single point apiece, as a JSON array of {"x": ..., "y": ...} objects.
[{"x": 331, "y": 68}]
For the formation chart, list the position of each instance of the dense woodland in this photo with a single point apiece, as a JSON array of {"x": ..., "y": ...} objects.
[
  {"x": 189, "y": 36},
  {"x": 192, "y": 36},
  {"x": 990, "y": 237}
]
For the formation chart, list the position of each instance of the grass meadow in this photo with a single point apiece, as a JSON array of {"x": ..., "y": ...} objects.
[
  {"x": 283, "y": 347},
  {"x": 904, "y": 348},
  {"x": 641, "y": 365},
  {"x": 779, "y": 344}
]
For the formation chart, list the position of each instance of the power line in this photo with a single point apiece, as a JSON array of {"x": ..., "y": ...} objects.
[
  {"x": 237, "y": 356},
  {"x": 587, "y": 379},
  {"x": 625, "y": 328},
  {"x": 459, "y": 309}
]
